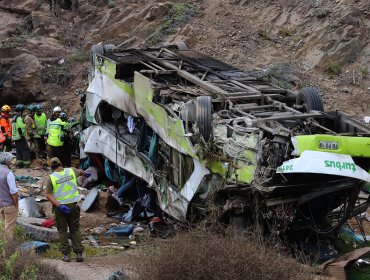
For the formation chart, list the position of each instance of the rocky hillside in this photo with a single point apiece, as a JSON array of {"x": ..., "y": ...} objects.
[{"x": 44, "y": 44}]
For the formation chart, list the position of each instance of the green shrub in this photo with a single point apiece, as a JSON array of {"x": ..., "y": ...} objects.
[
  {"x": 282, "y": 74},
  {"x": 365, "y": 72},
  {"x": 14, "y": 42},
  {"x": 79, "y": 57},
  {"x": 177, "y": 16},
  {"x": 111, "y": 3},
  {"x": 334, "y": 69},
  {"x": 17, "y": 264},
  {"x": 285, "y": 32},
  {"x": 69, "y": 40}
]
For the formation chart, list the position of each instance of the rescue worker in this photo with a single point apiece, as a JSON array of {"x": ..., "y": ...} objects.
[
  {"x": 8, "y": 194},
  {"x": 62, "y": 192},
  {"x": 31, "y": 131},
  {"x": 5, "y": 129},
  {"x": 55, "y": 115},
  {"x": 19, "y": 137},
  {"x": 55, "y": 139},
  {"x": 41, "y": 124},
  {"x": 66, "y": 145}
]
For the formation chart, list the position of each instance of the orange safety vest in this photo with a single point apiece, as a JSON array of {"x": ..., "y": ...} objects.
[{"x": 5, "y": 123}]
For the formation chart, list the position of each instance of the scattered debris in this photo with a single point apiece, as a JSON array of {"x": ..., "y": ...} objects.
[
  {"x": 93, "y": 241},
  {"x": 90, "y": 199},
  {"x": 120, "y": 231},
  {"x": 37, "y": 246},
  {"x": 119, "y": 275},
  {"x": 337, "y": 268},
  {"x": 97, "y": 230},
  {"x": 48, "y": 223},
  {"x": 28, "y": 207},
  {"x": 138, "y": 229},
  {"x": 27, "y": 179}
]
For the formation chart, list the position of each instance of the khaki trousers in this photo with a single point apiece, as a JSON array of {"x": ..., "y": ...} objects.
[{"x": 8, "y": 216}]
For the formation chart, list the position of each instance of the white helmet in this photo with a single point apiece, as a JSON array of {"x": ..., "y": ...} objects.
[{"x": 57, "y": 109}]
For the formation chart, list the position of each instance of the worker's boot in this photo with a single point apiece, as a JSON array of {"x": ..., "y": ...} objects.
[
  {"x": 27, "y": 164},
  {"x": 66, "y": 258},
  {"x": 79, "y": 257}
]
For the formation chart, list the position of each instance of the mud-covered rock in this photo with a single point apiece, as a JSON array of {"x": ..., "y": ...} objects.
[
  {"x": 21, "y": 79},
  {"x": 43, "y": 24},
  {"x": 158, "y": 11},
  {"x": 22, "y": 7}
]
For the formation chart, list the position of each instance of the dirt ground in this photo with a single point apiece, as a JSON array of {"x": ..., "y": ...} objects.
[{"x": 93, "y": 267}]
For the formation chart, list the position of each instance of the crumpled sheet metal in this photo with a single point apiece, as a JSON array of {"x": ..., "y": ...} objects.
[
  {"x": 101, "y": 141},
  {"x": 28, "y": 207},
  {"x": 92, "y": 102},
  {"x": 111, "y": 92},
  {"x": 191, "y": 186},
  {"x": 169, "y": 129},
  {"x": 336, "y": 269}
]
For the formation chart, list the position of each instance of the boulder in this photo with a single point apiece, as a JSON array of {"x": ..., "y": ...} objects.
[
  {"x": 22, "y": 7},
  {"x": 43, "y": 24},
  {"x": 22, "y": 80},
  {"x": 158, "y": 11}
]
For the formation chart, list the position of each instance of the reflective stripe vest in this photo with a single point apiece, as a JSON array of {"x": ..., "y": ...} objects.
[
  {"x": 65, "y": 186},
  {"x": 18, "y": 123},
  {"x": 40, "y": 123},
  {"x": 6, "y": 125},
  {"x": 56, "y": 133}
]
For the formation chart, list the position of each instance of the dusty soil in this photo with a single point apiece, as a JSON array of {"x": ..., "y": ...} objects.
[{"x": 97, "y": 268}]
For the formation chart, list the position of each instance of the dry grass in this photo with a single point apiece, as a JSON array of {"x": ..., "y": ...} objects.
[{"x": 200, "y": 255}]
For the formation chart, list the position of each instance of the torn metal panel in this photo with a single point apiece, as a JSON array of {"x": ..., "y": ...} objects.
[
  {"x": 101, "y": 141},
  {"x": 169, "y": 129},
  {"x": 116, "y": 92},
  {"x": 324, "y": 163},
  {"x": 239, "y": 155},
  {"x": 92, "y": 102},
  {"x": 192, "y": 185},
  {"x": 177, "y": 205},
  {"x": 175, "y": 202}
]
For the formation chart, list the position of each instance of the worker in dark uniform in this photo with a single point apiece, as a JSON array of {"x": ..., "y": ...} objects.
[
  {"x": 41, "y": 124},
  {"x": 32, "y": 135},
  {"x": 62, "y": 192},
  {"x": 19, "y": 137}
]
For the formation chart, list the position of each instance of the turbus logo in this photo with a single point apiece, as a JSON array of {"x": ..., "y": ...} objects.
[{"x": 340, "y": 165}]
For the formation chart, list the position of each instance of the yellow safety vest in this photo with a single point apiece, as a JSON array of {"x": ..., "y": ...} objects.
[
  {"x": 41, "y": 122},
  {"x": 56, "y": 133},
  {"x": 65, "y": 186}
]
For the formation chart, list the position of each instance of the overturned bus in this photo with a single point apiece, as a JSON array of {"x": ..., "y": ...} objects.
[{"x": 210, "y": 138}]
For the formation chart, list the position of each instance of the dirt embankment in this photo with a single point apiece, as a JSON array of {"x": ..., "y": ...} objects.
[{"x": 44, "y": 55}]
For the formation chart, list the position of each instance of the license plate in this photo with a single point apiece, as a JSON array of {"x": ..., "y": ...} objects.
[{"x": 328, "y": 145}]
